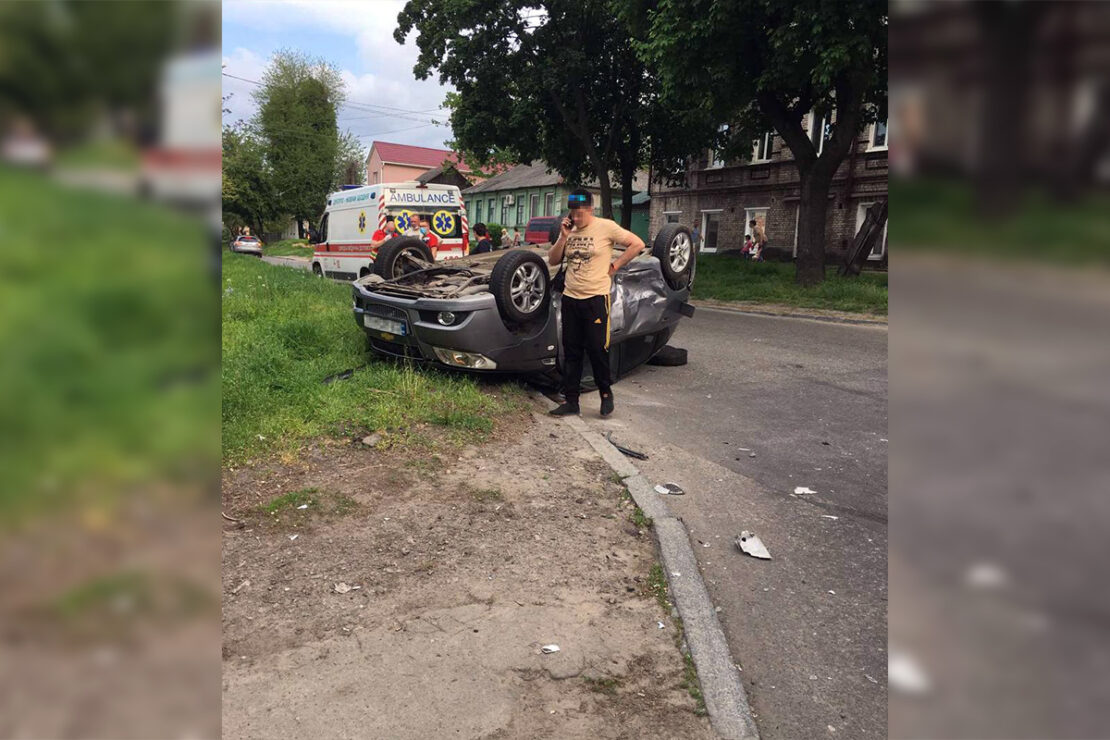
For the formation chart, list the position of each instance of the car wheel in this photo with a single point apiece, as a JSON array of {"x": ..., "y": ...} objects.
[
  {"x": 402, "y": 255},
  {"x": 317, "y": 270},
  {"x": 669, "y": 356},
  {"x": 674, "y": 248},
  {"x": 519, "y": 283}
]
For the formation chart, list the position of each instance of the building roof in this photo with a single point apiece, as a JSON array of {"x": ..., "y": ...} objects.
[
  {"x": 437, "y": 171},
  {"x": 416, "y": 156},
  {"x": 638, "y": 199},
  {"x": 535, "y": 175}
]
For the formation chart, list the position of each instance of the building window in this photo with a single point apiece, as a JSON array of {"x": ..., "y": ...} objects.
[
  {"x": 549, "y": 204},
  {"x": 477, "y": 211},
  {"x": 879, "y": 249},
  {"x": 715, "y": 160},
  {"x": 878, "y": 136},
  {"x": 504, "y": 215},
  {"x": 519, "y": 211},
  {"x": 820, "y": 130},
  {"x": 671, "y": 217},
  {"x": 761, "y": 148},
  {"x": 534, "y": 205},
  {"x": 710, "y": 230}
]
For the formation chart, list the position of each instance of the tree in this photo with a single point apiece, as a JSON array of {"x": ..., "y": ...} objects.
[
  {"x": 296, "y": 120},
  {"x": 350, "y": 162},
  {"x": 555, "y": 80},
  {"x": 762, "y": 65},
  {"x": 248, "y": 189}
]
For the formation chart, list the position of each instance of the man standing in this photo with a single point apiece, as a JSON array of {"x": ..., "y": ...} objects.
[
  {"x": 484, "y": 244},
  {"x": 759, "y": 239},
  {"x": 383, "y": 234},
  {"x": 587, "y": 241},
  {"x": 420, "y": 230}
]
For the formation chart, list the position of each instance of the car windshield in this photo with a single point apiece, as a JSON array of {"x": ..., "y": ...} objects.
[{"x": 248, "y": 238}]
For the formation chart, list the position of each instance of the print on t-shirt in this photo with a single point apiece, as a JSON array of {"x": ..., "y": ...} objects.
[{"x": 580, "y": 250}]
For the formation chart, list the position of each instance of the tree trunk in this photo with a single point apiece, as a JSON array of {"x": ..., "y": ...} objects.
[
  {"x": 626, "y": 198},
  {"x": 814, "y": 205}
]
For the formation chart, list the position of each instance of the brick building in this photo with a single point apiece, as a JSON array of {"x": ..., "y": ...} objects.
[{"x": 721, "y": 198}]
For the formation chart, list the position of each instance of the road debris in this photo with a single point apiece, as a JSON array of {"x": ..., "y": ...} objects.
[
  {"x": 293, "y": 537},
  {"x": 549, "y": 649},
  {"x": 231, "y": 518},
  {"x": 660, "y": 625},
  {"x": 751, "y": 455},
  {"x": 303, "y": 506},
  {"x": 339, "y": 376},
  {"x": 829, "y": 516},
  {"x": 624, "y": 450},
  {"x": 750, "y": 543},
  {"x": 670, "y": 488},
  {"x": 905, "y": 675},
  {"x": 744, "y": 449},
  {"x": 241, "y": 586},
  {"x": 342, "y": 588},
  {"x": 803, "y": 491},
  {"x": 986, "y": 576}
]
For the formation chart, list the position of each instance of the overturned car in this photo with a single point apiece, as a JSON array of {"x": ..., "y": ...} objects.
[{"x": 498, "y": 312}]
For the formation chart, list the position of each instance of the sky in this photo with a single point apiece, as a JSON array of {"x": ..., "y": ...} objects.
[{"x": 357, "y": 38}]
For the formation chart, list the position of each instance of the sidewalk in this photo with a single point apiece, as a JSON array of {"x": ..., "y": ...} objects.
[{"x": 460, "y": 570}]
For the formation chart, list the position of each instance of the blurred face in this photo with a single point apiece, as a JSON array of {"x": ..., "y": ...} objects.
[
  {"x": 390, "y": 226},
  {"x": 581, "y": 216}
]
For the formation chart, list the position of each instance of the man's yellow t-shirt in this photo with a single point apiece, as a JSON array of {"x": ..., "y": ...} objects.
[{"x": 588, "y": 253}]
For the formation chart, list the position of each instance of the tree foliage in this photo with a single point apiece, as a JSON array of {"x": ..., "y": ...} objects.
[
  {"x": 556, "y": 80},
  {"x": 764, "y": 64},
  {"x": 296, "y": 120},
  {"x": 248, "y": 185}
]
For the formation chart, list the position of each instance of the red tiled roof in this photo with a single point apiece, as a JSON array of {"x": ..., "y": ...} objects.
[{"x": 417, "y": 156}]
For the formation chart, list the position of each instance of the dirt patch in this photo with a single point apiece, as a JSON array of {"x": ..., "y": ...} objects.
[{"x": 460, "y": 568}]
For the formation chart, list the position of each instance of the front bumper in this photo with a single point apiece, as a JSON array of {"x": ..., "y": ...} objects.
[{"x": 478, "y": 329}]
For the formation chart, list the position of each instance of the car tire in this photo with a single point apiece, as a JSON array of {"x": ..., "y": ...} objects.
[
  {"x": 521, "y": 286},
  {"x": 677, "y": 255},
  {"x": 317, "y": 270},
  {"x": 393, "y": 258},
  {"x": 669, "y": 356}
]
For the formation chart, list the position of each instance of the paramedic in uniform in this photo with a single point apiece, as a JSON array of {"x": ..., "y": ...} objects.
[
  {"x": 420, "y": 230},
  {"x": 587, "y": 242}
]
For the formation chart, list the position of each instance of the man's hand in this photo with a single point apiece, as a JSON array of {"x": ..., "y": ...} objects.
[{"x": 613, "y": 269}]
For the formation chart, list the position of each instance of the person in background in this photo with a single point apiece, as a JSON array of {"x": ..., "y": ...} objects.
[
  {"x": 759, "y": 240},
  {"x": 485, "y": 244},
  {"x": 419, "y": 229},
  {"x": 696, "y": 234},
  {"x": 518, "y": 239},
  {"x": 506, "y": 240},
  {"x": 382, "y": 235},
  {"x": 746, "y": 250}
]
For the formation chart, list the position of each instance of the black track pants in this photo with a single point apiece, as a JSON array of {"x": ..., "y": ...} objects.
[{"x": 585, "y": 333}]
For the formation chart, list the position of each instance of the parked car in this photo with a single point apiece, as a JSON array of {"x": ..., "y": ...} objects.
[
  {"x": 538, "y": 229},
  {"x": 497, "y": 312},
  {"x": 247, "y": 245}
]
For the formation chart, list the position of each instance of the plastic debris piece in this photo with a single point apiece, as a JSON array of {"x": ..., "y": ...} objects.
[
  {"x": 750, "y": 543},
  {"x": 986, "y": 576},
  {"x": 905, "y": 675},
  {"x": 342, "y": 588},
  {"x": 832, "y": 592},
  {"x": 670, "y": 488},
  {"x": 803, "y": 491},
  {"x": 293, "y": 537},
  {"x": 829, "y": 516},
  {"x": 303, "y": 506},
  {"x": 624, "y": 450},
  {"x": 744, "y": 449},
  {"x": 548, "y": 649},
  {"x": 660, "y": 625},
  {"x": 869, "y": 678},
  {"x": 241, "y": 586}
]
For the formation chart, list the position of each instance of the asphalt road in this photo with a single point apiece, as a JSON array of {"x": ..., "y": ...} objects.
[{"x": 809, "y": 400}]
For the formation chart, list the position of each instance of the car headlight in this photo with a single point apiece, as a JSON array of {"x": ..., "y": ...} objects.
[
  {"x": 446, "y": 318},
  {"x": 471, "y": 360}
]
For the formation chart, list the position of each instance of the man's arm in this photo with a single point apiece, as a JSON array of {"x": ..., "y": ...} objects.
[{"x": 633, "y": 246}]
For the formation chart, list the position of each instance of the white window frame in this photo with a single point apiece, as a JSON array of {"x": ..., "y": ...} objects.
[
  {"x": 812, "y": 123},
  {"x": 871, "y": 138},
  {"x": 671, "y": 213},
  {"x": 705, "y": 214},
  {"x": 768, "y": 139},
  {"x": 861, "y": 214},
  {"x": 549, "y": 204},
  {"x": 533, "y": 205}
]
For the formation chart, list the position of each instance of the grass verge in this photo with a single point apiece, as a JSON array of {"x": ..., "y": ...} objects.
[
  {"x": 288, "y": 248},
  {"x": 286, "y": 331},
  {"x": 728, "y": 278},
  {"x": 657, "y": 587}
]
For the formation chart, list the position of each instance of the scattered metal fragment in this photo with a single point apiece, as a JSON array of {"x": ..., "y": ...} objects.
[
  {"x": 803, "y": 491},
  {"x": 750, "y": 543},
  {"x": 829, "y": 516},
  {"x": 241, "y": 586},
  {"x": 303, "y": 506},
  {"x": 293, "y": 537},
  {"x": 624, "y": 450},
  {"x": 342, "y": 588},
  {"x": 670, "y": 488},
  {"x": 548, "y": 649}
]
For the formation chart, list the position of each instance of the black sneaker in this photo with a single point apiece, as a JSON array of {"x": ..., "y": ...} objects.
[
  {"x": 566, "y": 409},
  {"x": 607, "y": 404}
]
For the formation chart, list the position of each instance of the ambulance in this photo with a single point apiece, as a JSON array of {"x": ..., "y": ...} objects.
[{"x": 353, "y": 215}]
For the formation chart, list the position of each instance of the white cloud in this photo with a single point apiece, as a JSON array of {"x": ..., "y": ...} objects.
[{"x": 384, "y": 76}]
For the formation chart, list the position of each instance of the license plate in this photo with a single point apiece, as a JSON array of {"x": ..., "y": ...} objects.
[{"x": 386, "y": 325}]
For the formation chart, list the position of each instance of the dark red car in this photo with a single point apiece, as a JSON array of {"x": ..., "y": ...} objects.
[{"x": 538, "y": 229}]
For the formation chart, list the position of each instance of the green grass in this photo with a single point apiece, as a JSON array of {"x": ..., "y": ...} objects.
[
  {"x": 657, "y": 587},
  {"x": 106, "y": 154},
  {"x": 942, "y": 215},
  {"x": 288, "y": 248},
  {"x": 487, "y": 495},
  {"x": 292, "y": 500},
  {"x": 110, "y": 357},
  {"x": 285, "y": 331},
  {"x": 727, "y": 278}
]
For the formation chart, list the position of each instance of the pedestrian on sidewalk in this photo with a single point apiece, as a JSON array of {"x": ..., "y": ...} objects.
[
  {"x": 485, "y": 244},
  {"x": 587, "y": 240}
]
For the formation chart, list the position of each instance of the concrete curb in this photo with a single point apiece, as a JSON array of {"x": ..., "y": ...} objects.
[
  {"x": 756, "y": 311},
  {"x": 725, "y": 698}
]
